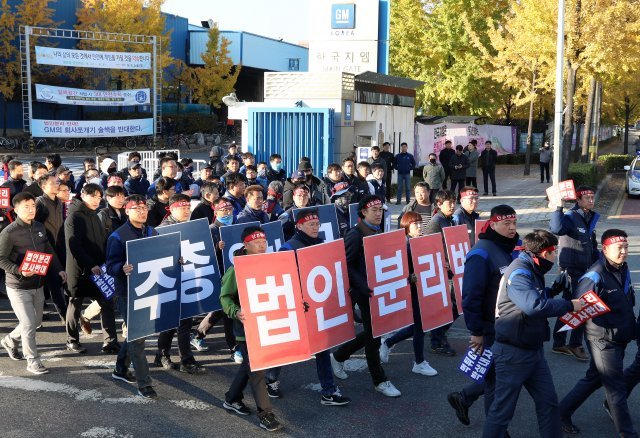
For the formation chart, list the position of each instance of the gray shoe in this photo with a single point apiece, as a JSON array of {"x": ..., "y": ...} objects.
[
  {"x": 36, "y": 367},
  {"x": 12, "y": 348}
]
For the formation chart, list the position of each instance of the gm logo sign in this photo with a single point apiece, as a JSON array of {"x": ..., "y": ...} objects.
[{"x": 343, "y": 16}]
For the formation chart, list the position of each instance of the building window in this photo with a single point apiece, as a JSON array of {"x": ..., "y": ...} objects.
[{"x": 294, "y": 64}]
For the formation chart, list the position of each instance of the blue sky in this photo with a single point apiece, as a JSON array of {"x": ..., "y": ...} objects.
[{"x": 287, "y": 19}]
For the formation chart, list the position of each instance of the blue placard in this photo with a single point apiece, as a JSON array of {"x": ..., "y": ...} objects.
[
  {"x": 105, "y": 283},
  {"x": 353, "y": 215},
  {"x": 476, "y": 366},
  {"x": 200, "y": 273},
  {"x": 329, "y": 230},
  {"x": 153, "y": 285},
  {"x": 230, "y": 235},
  {"x": 343, "y": 16}
]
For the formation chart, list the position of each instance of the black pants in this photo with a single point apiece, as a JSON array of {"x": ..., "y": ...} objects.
[
  {"x": 544, "y": 167},
  {"x": 486, "y": 174},
  {"x": 184, "y": 340},
  {"x": 364, "y": 339},
  {"x": 576, "y": 335},
  {"x": 388, "y": 181},
  {"x": 605, "y": 369},
  {"x": 211, "y": 320},
  {"x": 472, "y": 181},
  {"x": 56, "y": 292},
  {"x": 457, "y": 184},
  {"x": 254, "y": 378},
  {"x": 632, "y": 372},
  {"x": 447, "y": 176},
  {"x": 107, "y": 319}
]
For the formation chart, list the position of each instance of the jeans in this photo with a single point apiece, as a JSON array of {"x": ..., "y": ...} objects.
[
  {"x": 107, "y": 318},
  {"x": 576, "y": 335},
  {"x": 184, "y": 340},
  {"x": 414, "y": 330},
  {"x": 254, "y": 378},
  {"x": 516, "y": 367},
  {"x": 605, "y": 369},
  {"x": 212, "y": 319},
  {"x": 404, "y": 179},
  {"x": 132, "y": 351},
  {"x": 544, "y": 167},
  {"x": 27, "y": 304},
  {"x": 486, "y": 174},
  {"x": 473, "y": 391},
  {"x": 364, "y": 339}
]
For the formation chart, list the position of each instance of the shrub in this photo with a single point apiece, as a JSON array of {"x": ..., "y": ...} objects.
[
  {"x": 586, "y": 173},
  {"x": 614, "y": 162}
]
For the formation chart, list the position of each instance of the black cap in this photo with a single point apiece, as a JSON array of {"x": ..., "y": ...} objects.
[
  {"x": 134, "y": 164},
  {"x": 304, "y": 165}
]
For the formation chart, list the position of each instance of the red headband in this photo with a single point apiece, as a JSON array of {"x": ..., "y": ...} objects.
[
  {"x": 469, "y": 194},
  {"x": 585, "y": 192},
  {"x": 498, "y": 218},
  {"x": 254, "y": 236},
  {"x": 307, "y": 218},
  {"x": 373, "y": 203},
  {"x": 222, "y": 205},
  {"x": 180, "y": 204},
  {"x": 551, "y": 248},
  {"x": 614, "y": 239},
  {"x": 132, "y": 204}
]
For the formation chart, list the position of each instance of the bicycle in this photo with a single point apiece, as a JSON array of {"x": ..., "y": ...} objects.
[
  {"x": 8, "y": 143},
  {"x": 71, "y": 145},
  {"x": 104, "y": 148},
  {"x": 180, "y": 141},
  {"x": 30, "y": 145}
]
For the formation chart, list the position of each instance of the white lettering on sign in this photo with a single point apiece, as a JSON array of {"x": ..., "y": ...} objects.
[
  {"x": 389, "y": 269},
  {"x": 154, "y": 268},
  {"x": 195, "y": 277},
  {"x": 434, "y": 270},
  {"x": 323, "y": 295}
]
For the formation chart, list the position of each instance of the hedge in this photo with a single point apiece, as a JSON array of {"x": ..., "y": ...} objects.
[
  {"x": 586, "y": 173},
  {"x": 614, "y": 162}
]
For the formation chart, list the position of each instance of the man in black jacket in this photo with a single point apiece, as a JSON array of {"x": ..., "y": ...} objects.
[
  {"x": 458, "y": 165},
  {"x": 24, "y": 288},
  {"x": 85, "y": 242},
  {"x": 389, "y": 158},
  {"x": 275, "y": 172},
  {"x": 444, "y": 157},
  {"x": 488, "y": 160},
  {"x": 208, "y": 195},
  {"x": 113, "y": 215},
  {"x": 370, "y": 211},
  {"x": 15, "y": 182},
  {"x": 157, "y": 205}
]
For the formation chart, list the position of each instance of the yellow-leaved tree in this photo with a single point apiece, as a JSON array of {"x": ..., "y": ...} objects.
[{"x": 10, "y": 74}]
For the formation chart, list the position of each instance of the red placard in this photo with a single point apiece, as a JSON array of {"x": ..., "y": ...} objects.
[
  {"x": 325, "y": 287},
  {"x": 561, "y": 191},
  {"x": 457, "y": 242},
  {"x": 593, "y": 306},
  {"x": 427, "y": 254},
  {"x": 479, "y": 225},
  {"x": 5, "y": 195},
  {"x": 387, "y": 276},
  {"x": 271, "y": 300},
  {"x": 36, "y": 262}
]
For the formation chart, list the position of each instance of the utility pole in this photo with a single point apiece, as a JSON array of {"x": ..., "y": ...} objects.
[{"x": 557, "y": 122}]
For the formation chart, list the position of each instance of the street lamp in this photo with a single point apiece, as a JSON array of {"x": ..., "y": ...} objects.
[{"x": 557, "y": 122}]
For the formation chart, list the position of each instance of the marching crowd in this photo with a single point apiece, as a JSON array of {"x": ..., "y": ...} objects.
[{"x": 85, "y": 223}]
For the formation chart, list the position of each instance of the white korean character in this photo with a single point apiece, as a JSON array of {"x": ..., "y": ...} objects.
[
  {"x": 384, "y": 274},
  {"x": 434, "y": 270},
  {"x": 322, "y": 296},
  {"x": 156, "y": 275}
]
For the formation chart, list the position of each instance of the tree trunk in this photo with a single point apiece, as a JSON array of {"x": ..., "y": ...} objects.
[
  {"x": 576, "y": 154},
  {"x": 567, "y": 134},
  {"x": 527, "y": 159},
  {"x": 594, "y": 123},
  {"x": 587, "y": 121},
  {"x": 627, "y": 115},
  {"x": 598, "y": 113}
]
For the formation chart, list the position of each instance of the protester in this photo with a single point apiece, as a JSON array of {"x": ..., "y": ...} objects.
[
  {"x": 466, "y": 214},
  {"x": 15, "y": 183},
  {"x": 136, "y": 183},
  {"x": 421, "y": 205},
  {"x": 254, "y": 242},
  {"x": 376, "y": 158},
  {"x": 204, "y": 209},
  {"x": 168, "y": 169},
  {"x": 235, "y": 193},
  {"x": 404, "y": 163},
  {"x": 341, "y": 198},
  {"x": 359, "y": 188},
  {"x": 252, "y": 211},
  {"x": 275, "y": 171},
  {"x": 488, "y": 160},
  {"x": 333, "y": 177},
  {"x": 157, "y": 205},
  {"x": 376, "y": 181}
]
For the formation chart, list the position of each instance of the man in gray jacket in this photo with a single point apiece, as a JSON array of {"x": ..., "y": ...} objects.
[
  {"x": 433, "y": 174},
  {"x": 545, "y": 160},
  {"x": 473, "y": 155}
]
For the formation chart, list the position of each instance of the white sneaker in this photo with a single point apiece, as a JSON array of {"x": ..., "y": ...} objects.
[
  {"x": 384, "y": 352},
  {"x": 36, "y": 367},
  {"x": 424, "y": 368},
  {"x": 387, "y": 388},
  {"x": 338, "y": 369},
  {"x": 237, "y": 356}
]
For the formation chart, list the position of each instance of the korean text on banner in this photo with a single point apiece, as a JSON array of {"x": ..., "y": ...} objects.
[
  {"x": 387, "y": 276},
  {"x": 91, "y": 128},
  {"x": 200, "y": 289},
  {"x": 271, "y": 300},
  {"x": 329, "y": 230},
  {"x": 79, "y": 96},
  {"x": 93, "y": 58},
  {"x": 36, "y": 262},
  {"x": 105, "y": 283},
  {"x": 457, "y": 241},
  {"x": 593, "y": 306},
  {"x": 475, "y": 366},
  {"x": 153, "y": 286},
  {"x": 230, "y": 235},
  {"x": 427, "y": 254},
  {"x": 325, "y": 283},
  {"x": 5, "y": 196},
  {"x": 557, "y": 193}
]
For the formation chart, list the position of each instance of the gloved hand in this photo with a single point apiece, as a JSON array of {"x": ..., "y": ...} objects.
[
  {"x": 561, "y": 284},
  {"x": 305, "y": 306},
  {"x": 413, "y": 279}
]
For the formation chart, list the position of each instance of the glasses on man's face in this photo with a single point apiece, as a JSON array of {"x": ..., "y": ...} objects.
[{"x": 139, "y": 208}]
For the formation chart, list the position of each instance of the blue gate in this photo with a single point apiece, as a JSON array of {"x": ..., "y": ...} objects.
[{"x": 293, "y": 133}]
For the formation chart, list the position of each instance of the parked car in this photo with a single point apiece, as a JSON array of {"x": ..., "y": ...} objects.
[{"x": 633, "y": 177}]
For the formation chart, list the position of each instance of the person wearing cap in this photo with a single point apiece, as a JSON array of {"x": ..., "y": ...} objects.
[
  {"x": 157, "y": 205},
  {"x": 252, "y": 211},
  {"x": 205, "y": 175},
  {"x": 64, "y": 175},
  {"x": 85, "y": 238},
  {"x": 254, "y": 242},
  {"x": 483, "y": 269},
  {"x": 523, "y": 306},
  {"x": 458, "y": 165},
  {"x": 466, "y": 214},
  {"x": 272, "y": 205},
  {"x": 370, "y": 212},
  {"x": 576, "y": 229},
  {"x": 307, "y": 229},
  {"x": 215, "y": 161},
  {"x": 607, "y": 335},
  {"x": 223, "y": 209},
  {"x": 341, "y": 198},
  {"x": 136, "y": 183},
  {"x": 133, "y": 157},
  {"x": 117, "y": 267},
  {"x": 208, "y": 195},
  {"x": 317, "y": 194},
  {"x": 287, "y": 196}
]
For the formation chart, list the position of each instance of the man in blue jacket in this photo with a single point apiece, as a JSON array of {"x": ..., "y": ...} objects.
[
  {"x": 252, "y": 211},
  {"x": 578, "y": 251},
  {"x": 521, "y": 327},
  {"x": 119, "y": 269},
  {"x": 483, "y": 269},
  {"x": 404, "y": 163},
  {"x": 607, "y": 335}
]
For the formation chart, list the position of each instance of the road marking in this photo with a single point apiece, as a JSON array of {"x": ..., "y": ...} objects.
[
  {"x": 355, "y": 365},
  {"x": 104, "y": 432},
  {"x": 312, "y": 386},
  {"x": 192, "y": 405}
]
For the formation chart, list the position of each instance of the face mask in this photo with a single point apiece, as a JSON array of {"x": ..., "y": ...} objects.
[
  {"x": 178, "y": 175},
  {"x": 432, "y": 161},
  {"x": 262, "y": 172},
  {"x": 95, "y": 180},
  {"x": 276, "y": 166},
  {"x": 226, "y": 220}
]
